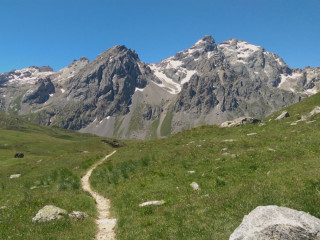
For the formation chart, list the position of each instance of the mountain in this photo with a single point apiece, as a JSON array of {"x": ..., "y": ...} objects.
[{"x": 117, "y": 95}]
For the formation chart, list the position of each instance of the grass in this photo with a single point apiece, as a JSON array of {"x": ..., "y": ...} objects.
[
  {"x": 165, "y": 129},
  {"x": 50, "y": 174},
  {"x": 277, "y": 166}
]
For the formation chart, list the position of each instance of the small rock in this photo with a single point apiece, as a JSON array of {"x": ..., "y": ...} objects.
[
  {"x": 233, "y": 155},
  {"x": 155, "y": 203},
  {"x": 283, "y": 115},
  {"x": 273, "y": 222},
  {"x": 225, "y": 154},
  {"x": 224, "y": 149},
  {"x": 19, "y": 155},
  {"x": 39, "y": 161},
  {"x": 3, "y": 207},
  {"x": 268, "y": 173},
  {"x": 229, "y": 140},
  {"x": 293, "y": 124},
  {"x": 251, "y": 134},
  {"x": 195, "y": 186},
  {"x": 271, "y": 150},
  {"x": 49, "y": 213},
  {"x": 78, "y": 215},
  {"x": 262, "y": 124},
  {"x": 33, "y": 187},
  {"x": 191, "y": 172},
  {"x": 15, "y": 176}
]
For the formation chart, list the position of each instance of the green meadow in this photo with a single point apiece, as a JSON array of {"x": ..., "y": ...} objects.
[{"x": 237, "y": 169}]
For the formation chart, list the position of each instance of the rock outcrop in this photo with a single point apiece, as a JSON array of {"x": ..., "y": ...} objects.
[
  {"x": 273, "y": 222},
  {"x": 240, "y": 122},
  {"x": 315, "y": 111},
  {"x": 283, "y": 115}
]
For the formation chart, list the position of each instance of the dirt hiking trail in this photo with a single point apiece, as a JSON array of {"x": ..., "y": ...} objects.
[{"x": 104, "y": 222}]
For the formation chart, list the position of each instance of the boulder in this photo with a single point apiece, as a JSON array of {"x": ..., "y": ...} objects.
[
  {"x": 239, "y": 122},
  {"x": 273, "y": 222},
  {"x": 78, "y": 215},
  {"x": 283, "y": 115},
  {"x": 315, "y": 111},
  {"x": 49, "y": 213}
]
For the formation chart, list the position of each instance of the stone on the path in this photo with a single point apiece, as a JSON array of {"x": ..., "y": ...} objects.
[
  {"x": 273, "y": 222},
  {"x": 315, "y": 111},
  {"x": 154, "y": 203},
  {"x": 15, "y": 175},
  {"x": 78, "y": 215},
  {"x": 49, "y": 213},
  {"x": 239, "y": 122},
  {"x": 283, "y": 115},
  {"x": 195, "y": 186}
]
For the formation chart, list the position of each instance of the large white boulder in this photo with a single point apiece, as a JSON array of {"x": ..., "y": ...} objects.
[{"x": 273, "y": 222}]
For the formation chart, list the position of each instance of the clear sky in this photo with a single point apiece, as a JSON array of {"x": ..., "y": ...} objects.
[{"x": 54, "y": 32}]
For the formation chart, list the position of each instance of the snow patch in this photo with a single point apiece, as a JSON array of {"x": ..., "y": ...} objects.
[
  {"x": 311, "y": 91},
  {"x": 174, "y": 88},
  {"x": 108, "y": 117},
  {"x": 62, "y": 90},
  {"x": 51, "y": 94},
  {"x": 139, "y": 89},
  {"x": 27, "y": 75},
  {"x": 188, "y": 76},
  {"x": 285, "y": 78}
]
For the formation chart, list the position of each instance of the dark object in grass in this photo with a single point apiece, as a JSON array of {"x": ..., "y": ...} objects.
[
  {"x": 113, "y": 143},
  {"x": 19, "y": 155}
]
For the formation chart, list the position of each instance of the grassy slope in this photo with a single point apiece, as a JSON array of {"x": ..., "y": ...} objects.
[
  {"x": 57, "y": 177},
  {"x": 230, "y": 186}
]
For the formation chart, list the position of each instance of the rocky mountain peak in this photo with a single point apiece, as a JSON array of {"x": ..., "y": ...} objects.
[{"x": 206, "y": 43}]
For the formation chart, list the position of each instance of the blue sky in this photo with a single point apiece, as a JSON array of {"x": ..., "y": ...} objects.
[{"x": 54, "y": 32}]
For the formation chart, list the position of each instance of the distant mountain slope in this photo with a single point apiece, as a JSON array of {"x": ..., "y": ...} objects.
[{"x": 118, "y": 95}]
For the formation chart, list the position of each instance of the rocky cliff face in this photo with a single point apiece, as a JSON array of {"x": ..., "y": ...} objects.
[{"x": 118, "y": 95}]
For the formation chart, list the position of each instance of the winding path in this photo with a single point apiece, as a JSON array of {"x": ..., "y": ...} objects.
[{"x": 105, "y": 223}]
